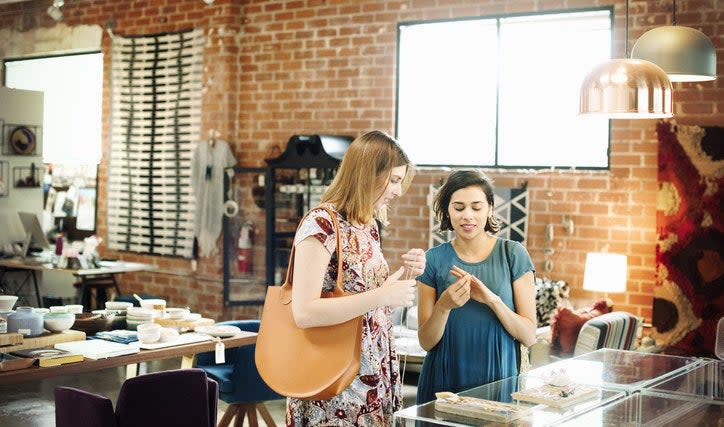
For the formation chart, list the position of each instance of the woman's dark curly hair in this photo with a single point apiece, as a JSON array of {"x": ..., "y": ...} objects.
[{"x": 459, "y": 179}]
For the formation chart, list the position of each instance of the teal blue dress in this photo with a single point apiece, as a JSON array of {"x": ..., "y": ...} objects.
[{"x": 474, "y": 349}]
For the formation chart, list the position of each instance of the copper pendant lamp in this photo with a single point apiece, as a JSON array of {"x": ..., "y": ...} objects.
[
  {"x": 627, "y": 89},
  {"x": 684, "y": 53}
]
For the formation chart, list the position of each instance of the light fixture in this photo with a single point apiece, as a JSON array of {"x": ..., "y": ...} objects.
[
  {"x": 54, "y": 10},
  {"x": 605, "y": 272},
  {"x": 684, "y": 53},
  {"x": 627, "y": 89}
]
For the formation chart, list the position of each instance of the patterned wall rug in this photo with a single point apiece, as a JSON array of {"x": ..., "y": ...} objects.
[
  {"x": 689, "y": 293},
  {"x": 156, "y": 84}
]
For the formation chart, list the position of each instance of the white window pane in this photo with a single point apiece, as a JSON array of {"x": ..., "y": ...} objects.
[
  {"x": 446, "y": 94},
  {"x": 72, "y": 87},
  {"x": 448, "y": 86},
  {"x": 543, "y": 64}
]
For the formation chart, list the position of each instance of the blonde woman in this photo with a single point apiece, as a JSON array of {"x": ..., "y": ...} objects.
[{"x": 373, "y": 173}]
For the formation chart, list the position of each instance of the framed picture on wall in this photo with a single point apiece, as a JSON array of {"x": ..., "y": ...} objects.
[
  {"x": 20, "y": 140},
  {"x": 4, "y": 178},
  {"x": 26, "y": 176}
]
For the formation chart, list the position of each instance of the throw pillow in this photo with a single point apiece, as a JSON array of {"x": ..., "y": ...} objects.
[{"x": 567, "y": 323}]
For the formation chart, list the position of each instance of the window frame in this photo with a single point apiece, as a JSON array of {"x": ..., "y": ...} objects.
[
  {"x": 80, "y": 168},
  {"x": 6, "y": 61},
  {"x": 498, "y": 18}
]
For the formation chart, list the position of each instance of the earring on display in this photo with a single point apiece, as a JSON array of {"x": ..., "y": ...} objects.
[{"x": 54, "y": 10}]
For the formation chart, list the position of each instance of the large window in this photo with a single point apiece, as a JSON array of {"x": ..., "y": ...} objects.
[
  {"x": 73, "y": 94},
  {"x": 502, "y": 91},
  {"x": 72, "y": 87}
]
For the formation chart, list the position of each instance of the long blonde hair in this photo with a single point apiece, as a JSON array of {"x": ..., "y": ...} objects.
[{"x": 363, "y": 176}]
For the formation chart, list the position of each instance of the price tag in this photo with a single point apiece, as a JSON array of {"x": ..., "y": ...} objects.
[{"x": 219, "y": 351}]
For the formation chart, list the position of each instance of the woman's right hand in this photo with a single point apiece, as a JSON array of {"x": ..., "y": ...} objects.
[
  {"x": 397, "y": 292},
  {"x": 456, "y": 295}
]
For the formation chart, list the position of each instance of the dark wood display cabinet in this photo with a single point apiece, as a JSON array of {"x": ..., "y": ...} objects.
[{"x": 297, "y": 178}]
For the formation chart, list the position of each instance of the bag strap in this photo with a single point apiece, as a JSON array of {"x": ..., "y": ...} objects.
[
  {"x": 519, "y": 348},
  {"x": 338, "y": 291},
  {"x": 506, "y": 244}
]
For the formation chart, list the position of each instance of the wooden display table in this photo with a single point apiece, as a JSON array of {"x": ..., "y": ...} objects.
[
  {"x": 186, "y": 351},
  {"x": 101, "y": 277}
]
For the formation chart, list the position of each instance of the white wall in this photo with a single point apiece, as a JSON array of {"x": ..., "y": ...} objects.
[
  {"x": 26, "y": 107},
  {"x": 22, "y": 107}
]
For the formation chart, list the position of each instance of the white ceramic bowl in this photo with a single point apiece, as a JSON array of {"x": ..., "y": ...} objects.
[
  {"x": 139, "y": 312},
  {"x": 75, "y": 308},
  {"x": 192, "y": 317},
  {"x": 148, "y": 332},
  {"x": 148, "y": 338},
  {"x": 58, "y": 322},
  {"x": 145, "y": 328},
  {"x": 58, "y": 309},
  {"x": 118, "y": 305},
  {"x": 177, "y": 313},
  {"x": 157, "y": 306},
  {"x": 154, "y": 304},
  {"x": 169, "y": 335},
  {"x": 7, "y": 302}
]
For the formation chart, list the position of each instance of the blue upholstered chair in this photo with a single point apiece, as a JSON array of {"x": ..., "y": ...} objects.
[{"x": 239, "y": 382}]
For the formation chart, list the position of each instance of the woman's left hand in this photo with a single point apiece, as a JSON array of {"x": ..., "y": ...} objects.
[
  {"x": 478, "y": 291},
  {"x": 414, "y": 261}
]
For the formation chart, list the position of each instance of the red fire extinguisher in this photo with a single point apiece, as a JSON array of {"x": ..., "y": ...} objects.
[{"x": 243, "y": 256}]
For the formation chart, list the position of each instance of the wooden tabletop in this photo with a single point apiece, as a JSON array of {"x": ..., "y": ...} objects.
[
  {"x": 36, "y": 373},
  {"x": 106, "y": 267}
]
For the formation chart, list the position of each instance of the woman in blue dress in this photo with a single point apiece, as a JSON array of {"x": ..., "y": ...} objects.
[{"x": 476, "y": 295}]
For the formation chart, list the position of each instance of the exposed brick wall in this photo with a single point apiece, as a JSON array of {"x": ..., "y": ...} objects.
[{"x": 278, "y": 68}]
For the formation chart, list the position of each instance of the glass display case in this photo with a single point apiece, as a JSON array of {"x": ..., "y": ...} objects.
[
  {"x": 691, "y": 397},
  {"x": 705, "y": 381},
  {"x": 624, "y": 370},
  {"x": 500, "y": 391},
  {"x": 642, "y": 409},
  {"x": 633, "y": 389}
]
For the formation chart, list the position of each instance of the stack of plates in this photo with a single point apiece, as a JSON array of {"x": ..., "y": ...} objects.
[
  {"x": 136, "y": 315},
  {"x": 119, "y": 308}
]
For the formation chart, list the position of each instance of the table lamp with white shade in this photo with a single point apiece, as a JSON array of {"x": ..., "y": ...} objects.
[{"x": 605, "y": 272}]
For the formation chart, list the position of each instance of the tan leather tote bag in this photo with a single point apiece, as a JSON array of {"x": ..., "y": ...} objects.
[{"x": 311, "y": 363}]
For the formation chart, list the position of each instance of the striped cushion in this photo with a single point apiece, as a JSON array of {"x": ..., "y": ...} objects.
[{"x": 616, "y": 330}]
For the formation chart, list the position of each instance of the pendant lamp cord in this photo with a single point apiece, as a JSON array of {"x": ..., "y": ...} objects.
[
  {"x": 673, "y": 13},
  {"x": 625, "y": 41}
]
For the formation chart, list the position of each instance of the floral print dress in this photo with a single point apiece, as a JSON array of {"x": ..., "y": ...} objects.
[{"x": 375, "y": 393}]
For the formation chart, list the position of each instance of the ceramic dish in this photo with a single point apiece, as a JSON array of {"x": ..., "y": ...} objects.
[
  {"x": 221, "y": 331},
  {"x": 91, "y": 323},
  {"x": 7, "y": 302},
  {"x": 58, "y": 322}
]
